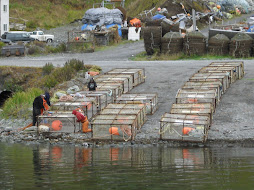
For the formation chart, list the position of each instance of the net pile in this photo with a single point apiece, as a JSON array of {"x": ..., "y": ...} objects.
[
  {"x": 152, "y": 39},
  {"x": 218, "y": 45},
  {"x": 241, "y": 45},
  {"x": 194, "y": 43},
  {"x": 171, "y": 43}
]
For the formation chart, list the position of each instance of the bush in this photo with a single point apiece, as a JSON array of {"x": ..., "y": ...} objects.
[
  {"x": 75, "y": 64},
  {"x": 39, "y": 43},
  {"x": 60, "y": 48},
  {"x": 47, "y": 68},
  {"x": 33, "y": 50},
  {"x": 50, "y": 81},
  {"x": 12, "y": 85},
  {"x": 31, "y": 24},
  {"x": 95, "y": 68},
  {"x": 2, "y": 44}
]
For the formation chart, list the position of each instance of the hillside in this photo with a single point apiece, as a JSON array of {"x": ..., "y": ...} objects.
[{"x": 48, "y": 14}]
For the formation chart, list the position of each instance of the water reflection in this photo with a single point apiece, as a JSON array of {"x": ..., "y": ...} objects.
[{"x": 64, "y": 167}]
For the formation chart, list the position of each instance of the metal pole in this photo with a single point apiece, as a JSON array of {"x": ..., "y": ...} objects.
[{"x": 194, "y": 19}]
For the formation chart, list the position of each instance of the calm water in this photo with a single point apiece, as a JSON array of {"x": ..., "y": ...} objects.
[{"x": 70, "y": 167}]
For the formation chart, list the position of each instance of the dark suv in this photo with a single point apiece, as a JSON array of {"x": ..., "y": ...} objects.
[{"x": 18, "y": 36}]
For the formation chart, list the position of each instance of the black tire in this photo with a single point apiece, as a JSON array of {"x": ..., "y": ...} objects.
[{"x": 49, "y": 40}]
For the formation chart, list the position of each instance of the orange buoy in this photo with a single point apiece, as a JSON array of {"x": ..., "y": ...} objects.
[
  {"x": 56, "y": 125},
  {"x": 186, "y": 130},
  {"x": 114, "y": 131}
]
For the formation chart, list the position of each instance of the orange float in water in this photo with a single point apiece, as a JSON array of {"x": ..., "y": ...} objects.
[
  {"x": 57, "y": 125},
  {"x": 186, "y": 130}
]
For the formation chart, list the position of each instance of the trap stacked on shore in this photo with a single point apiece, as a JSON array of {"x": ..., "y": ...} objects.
[
  {"x": 110, "y": 86},
  {"x": 191, "y": 116}
]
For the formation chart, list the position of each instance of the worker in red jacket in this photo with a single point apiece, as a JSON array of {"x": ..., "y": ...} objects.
[{"x": 83, "y": 119}]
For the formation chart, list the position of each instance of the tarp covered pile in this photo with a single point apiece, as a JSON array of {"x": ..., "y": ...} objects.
[{"x": 102, "y": 16}]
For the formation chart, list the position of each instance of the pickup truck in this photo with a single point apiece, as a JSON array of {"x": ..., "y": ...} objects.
[{"x": 40, "y": 36}]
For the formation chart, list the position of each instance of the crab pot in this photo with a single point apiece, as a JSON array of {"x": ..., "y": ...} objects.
[
  {"x": 135, "y": 108},
  {"x": 125, "y": 79},
  {"x": 229, "y": 70},
  {"x": 114, "y": 127},
  {"x": 222, "y": 77},
  {"x": 115, "y": 89},
  {"x": 197, "y": 96},
  {"x": 138, "y": 75},
  {"x": 205, "y": 86},
  {"x": 89, "y": 107},
  {"x": 122, "y": 81},
  {"x": 239, "y": 67},
  {"x": 62, "y": 122},
  {"x": 179, "y": 127},
  {"x": 150, "y": 100},
  {"x": 140, "y": 119},
  {"x": 204, "y": 109},
  {"x": 102, "y": 98}
]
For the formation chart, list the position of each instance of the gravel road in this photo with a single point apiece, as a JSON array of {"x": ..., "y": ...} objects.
[{"x": 233, "y": 119}]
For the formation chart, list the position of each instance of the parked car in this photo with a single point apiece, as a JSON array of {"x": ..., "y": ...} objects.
[
  {"x": 40, "y": 36},
  {"x": 18, "y": 36}
]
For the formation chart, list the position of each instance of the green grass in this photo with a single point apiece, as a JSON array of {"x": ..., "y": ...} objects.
[
  {"x": 157, "y": 57},
  {"x": 19, "y": 105}
]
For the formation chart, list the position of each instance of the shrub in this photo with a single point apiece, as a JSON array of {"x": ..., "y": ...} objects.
[
  {"x": 11, "y": 85},
  {"x": 47, "y": 68},
  {"x": 33, "y": 50},
  {"x": 75, "y": 64},
  {"x": 39, "y": 43},
  {"x": 50, "y": 81},
  {"x": 31, "y": 24},
  {"x": 2, "y": 44},
  {"x": 95, "y": 68}
]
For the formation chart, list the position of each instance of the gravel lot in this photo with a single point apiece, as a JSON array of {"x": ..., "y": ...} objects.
[{"x": 233, "y": 119}]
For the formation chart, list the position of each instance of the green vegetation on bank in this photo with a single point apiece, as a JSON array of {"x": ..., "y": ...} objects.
[
  {"x": 181, "y": 56},
  {"x": 26, "y": 83},
  {"x": 18, "y": 106}
]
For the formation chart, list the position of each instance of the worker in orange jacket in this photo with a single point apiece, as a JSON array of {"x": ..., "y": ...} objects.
[
  {"x": 39, "y": 106},
  {"x": 83, "y": 119}
]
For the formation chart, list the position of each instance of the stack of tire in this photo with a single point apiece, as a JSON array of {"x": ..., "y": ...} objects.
[
  {"x": 241, "y": 45},
  {"x": 194, "y": 44},
  {"x": 171, "y": 43},
  {"x": 218, "y": 45},
  {"x": 152, "y": 39}
]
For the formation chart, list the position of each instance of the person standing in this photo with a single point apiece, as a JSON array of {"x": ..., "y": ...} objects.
[
  {"x": 91, "y": 85},
  {"x": 83, "y": 119}
]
